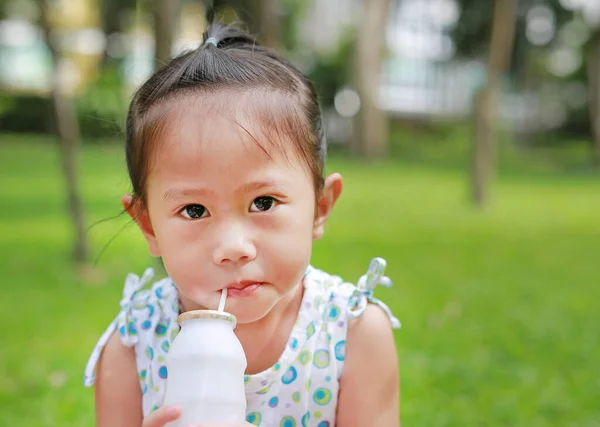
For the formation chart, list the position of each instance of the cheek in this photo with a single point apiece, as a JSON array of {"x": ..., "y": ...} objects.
[
  {"x": 181, "y": 247},
  {"x": 290, "y": 243}
]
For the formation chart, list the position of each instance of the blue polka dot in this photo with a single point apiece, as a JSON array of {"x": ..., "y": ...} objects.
[
  {"x": 122, "y": 331},
  {"x": 146, "y": 325},
  {"x": 254, "y": 418},
  {"x": 290, "y": 376},
  {"x": 305, "y": 419},
  {"x": 273, "y": 402},
  {"x": 322, "y": 396},
  {"x": 162, "y": 372},
  {"x": 132, "y": 329},
  {"x": 294, "y": 343},
  {"x": 323, "y": 424},
  {"x": 160, "y": 329},
  {"x": 334, "y": 312},
  {"x": 340, "y": 350},
  {"x": 288, "y": 422}
]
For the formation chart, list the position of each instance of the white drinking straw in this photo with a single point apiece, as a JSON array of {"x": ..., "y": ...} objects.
[{"x": 222, "y": 301}]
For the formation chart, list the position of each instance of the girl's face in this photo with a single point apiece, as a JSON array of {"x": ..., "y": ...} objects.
[{"x": 223, "y": 213}]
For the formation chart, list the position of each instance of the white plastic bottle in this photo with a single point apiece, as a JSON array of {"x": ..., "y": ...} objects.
[{"x": 206, "y": 365}]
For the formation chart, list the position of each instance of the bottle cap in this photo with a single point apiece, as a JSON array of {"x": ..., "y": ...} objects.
[{"x": 207, "y": 314}]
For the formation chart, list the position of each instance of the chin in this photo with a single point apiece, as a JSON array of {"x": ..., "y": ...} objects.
[{"x": 250, "y": 310}]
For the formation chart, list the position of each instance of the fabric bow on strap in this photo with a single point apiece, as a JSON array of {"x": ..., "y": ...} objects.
[{"x": 365, "y": 286}]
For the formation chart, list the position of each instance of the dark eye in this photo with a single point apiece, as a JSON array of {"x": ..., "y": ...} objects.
[
  {"x": 194, "y": 211},
  {"x": 262, "y": 204}
]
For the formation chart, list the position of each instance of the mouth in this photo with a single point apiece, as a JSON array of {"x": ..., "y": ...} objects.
[{"x": 243, "y": 289}]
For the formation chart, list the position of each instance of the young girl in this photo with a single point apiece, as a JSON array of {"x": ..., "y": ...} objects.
[{"x": 225, "y": 151}]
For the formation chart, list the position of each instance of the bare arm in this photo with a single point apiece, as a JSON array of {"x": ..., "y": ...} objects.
[
  {"x": 117, "y": 391},
  {"x": 370, "y": 383}
]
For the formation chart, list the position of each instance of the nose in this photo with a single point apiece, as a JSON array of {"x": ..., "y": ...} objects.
[{"x": 234, "y": 246}]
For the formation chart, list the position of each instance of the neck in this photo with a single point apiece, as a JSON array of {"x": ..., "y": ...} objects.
[{"x": 264, "y": 340}]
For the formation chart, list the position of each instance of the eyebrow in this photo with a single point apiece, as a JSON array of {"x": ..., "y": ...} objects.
[{"x": 175, "y": 193}]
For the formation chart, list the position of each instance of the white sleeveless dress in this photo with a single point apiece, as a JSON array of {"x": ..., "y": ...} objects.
[{"x": 301, "y": 389}]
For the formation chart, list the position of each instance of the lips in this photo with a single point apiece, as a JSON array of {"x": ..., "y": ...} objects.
[{"x": 242, "y": 289}]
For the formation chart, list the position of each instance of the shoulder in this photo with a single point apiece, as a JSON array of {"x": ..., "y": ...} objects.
[
  {"x": 117, "y": 392},
  {"x": 370, "y": 383},
  {"x": 371, "y": 340}
]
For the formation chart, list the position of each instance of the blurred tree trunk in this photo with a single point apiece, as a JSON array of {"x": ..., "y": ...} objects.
[
  {"x": 501, "y": 45},
  {"x": 594, "y": 94},
  {"x": 111, "y": 15},
  {"x": 112, "y": 22},
  {"x": 262, "y": 17},
  {"x": 165, "y": 14},
  {"x": 370, "y": 137},
  {"x": 68, "y": 132},
  {"x": 269, "y": 23}
]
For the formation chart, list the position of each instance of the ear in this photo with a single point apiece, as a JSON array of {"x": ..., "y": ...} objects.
[
  {"x": 329, "y": 195},
  {"x": 138, "y": 211}
]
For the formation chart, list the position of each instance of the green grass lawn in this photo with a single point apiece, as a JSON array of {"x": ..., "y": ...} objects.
[{"x": 499, "y": 307}]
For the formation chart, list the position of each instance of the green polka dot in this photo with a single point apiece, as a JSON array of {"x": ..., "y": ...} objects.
[
  {"x": 296, "y": 397},
  {"x": 318, "y": 414},
  {"x": 264, "y": 390},
  {"x": 308, "y": 384},
  {"x": 305, "y": 357},
  {"x": 310, "y": 331},
  {"x": 318, "y": 301},
  {"x": 321, "y": 359}
]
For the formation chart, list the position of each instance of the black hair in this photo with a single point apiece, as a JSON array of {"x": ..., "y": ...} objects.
[{"x": 228, "y": 60}]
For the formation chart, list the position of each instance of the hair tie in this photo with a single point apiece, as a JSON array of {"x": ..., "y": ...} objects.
[{"x": 212, "y": 40}]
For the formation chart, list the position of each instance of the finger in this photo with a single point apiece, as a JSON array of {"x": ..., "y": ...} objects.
[{"x": 162, "y": 416}]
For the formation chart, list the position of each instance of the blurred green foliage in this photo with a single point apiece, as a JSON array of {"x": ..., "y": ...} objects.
[{"x": 101, "y": 109}]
